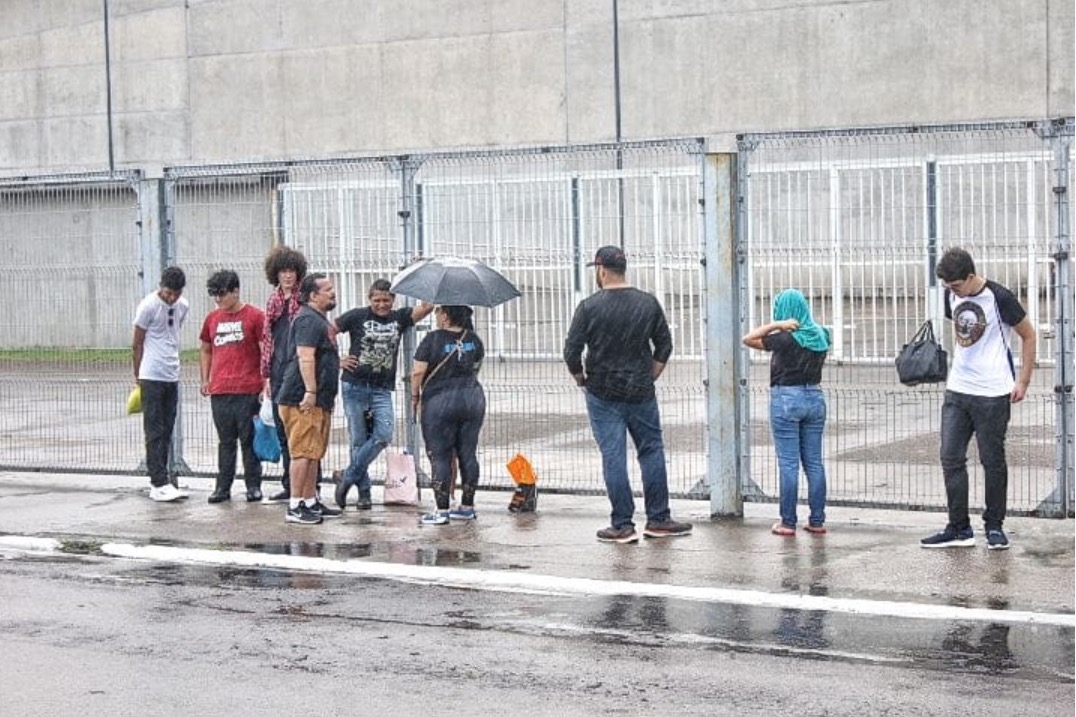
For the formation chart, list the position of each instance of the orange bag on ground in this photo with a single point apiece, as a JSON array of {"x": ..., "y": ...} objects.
[{"x": 525, "y": 497}]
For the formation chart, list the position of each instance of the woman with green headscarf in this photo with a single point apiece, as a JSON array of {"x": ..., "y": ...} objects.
[{"x": 798, "y": 349}]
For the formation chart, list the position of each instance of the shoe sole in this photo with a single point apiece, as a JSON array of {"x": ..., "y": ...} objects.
[
  {"x": 966, "y": 543},
  {"x": 433, "y": 522},
  {"x": 996, "y": 547},
  {"x": 169, "y": 500},
  {"x": 463, "y": 518},
  {"x": 300, "y": 521},
  {"x": 659, "y": 534},
  {"x": 623, "y": 541}
]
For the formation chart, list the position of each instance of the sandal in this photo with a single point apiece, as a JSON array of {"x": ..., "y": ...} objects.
[
  {"x": 816, "y": 529},
  {"x": 782, "y": 529}
]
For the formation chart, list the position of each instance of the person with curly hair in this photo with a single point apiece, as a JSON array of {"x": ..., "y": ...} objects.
[{"x": 285, "y": 268}]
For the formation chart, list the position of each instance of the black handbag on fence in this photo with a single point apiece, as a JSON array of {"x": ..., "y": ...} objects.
[{"x": 922, "y": 360}]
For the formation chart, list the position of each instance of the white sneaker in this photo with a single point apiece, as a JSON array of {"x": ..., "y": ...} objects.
[{"x": 165, "y": 493}]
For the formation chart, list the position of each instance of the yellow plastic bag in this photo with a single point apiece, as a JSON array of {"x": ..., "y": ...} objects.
[{"x": 134, "y": 400}]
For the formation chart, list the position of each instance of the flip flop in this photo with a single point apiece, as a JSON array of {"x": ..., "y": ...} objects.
[{"x": 782, "y": 529}]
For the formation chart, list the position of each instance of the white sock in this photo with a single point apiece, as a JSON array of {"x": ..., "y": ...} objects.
[{"x": 294, "y": 503}]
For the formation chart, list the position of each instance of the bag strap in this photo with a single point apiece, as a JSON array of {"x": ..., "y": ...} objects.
[
  {"x": 457, "y": 349},
  {"x": 925, "y": 333}
]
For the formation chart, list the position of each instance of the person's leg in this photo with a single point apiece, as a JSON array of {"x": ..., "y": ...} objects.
[
  {"x": 355, "y": 405},
  {"x": 610, "y": 433},
  {"x": 438, "y": 433},
  {"x": 246, "y": 409},
  {"x": 991, "y": 419},
  {"x": 285, "y": 455},
  {"x": 379, "y": 403},
  {"x": 785, "y": 410},
  {"x": 223, "y": 408},
  {"x": 812, "y": 429},
  {"x": 170, "y": 403},
  {"x": 956, "y": 429},
  {"x": 644, "y": 426},
  {"x": 157, "y": 429},
  {"x": 469, "y": 428}
]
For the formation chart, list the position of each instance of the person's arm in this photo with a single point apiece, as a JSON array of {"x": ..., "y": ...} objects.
[
  {"x": 308, "y": 372},
  {"x": 138, "y": 344},
  {"x": 656, "y": 369},
  {"x": 753, "y": 339},
  {"x": 205, "y": 365},
  {"x": 418, "y": 374},
  {"x": 1026, "y": 332},
  {"x": 420, "y": 311},
  {"x": 574, "y": 344}
]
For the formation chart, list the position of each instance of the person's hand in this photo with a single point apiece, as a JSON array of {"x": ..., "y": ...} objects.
[
  {"x": 349, "y": 362},
  {"x": 1019, "y": 391},
  {"x": 204, "y": 388},
  {"x": 788, "y": 325},
  {"x": 308, "y": 402}
]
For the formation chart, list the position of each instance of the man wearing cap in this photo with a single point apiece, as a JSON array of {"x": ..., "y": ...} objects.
[{"x": 627, "y": 342}]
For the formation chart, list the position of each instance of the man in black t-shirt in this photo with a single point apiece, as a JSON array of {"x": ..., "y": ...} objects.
[{"x": 369, "y": 377}]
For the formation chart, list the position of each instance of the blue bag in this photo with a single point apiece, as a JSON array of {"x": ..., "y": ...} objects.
[{"x": 266, "y": 442}]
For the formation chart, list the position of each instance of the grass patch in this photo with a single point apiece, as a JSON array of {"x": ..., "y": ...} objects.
[
  {"x": 82, "y": 356},
  {"x": 81, "y": 547}
]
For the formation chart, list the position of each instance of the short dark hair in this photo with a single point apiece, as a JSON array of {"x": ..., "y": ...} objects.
[
  {"x": 281, "y": 258},
  {"x": 955, "y": 265},
  {"x": 222, "y": 282},
  {"x": 380, "y": 285},
  {"x": 173, "y": 278},
  {"x": 309, "y": 286}
]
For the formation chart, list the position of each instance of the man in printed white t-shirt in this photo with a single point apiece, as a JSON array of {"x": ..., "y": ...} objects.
[
  {"x": 155, "y": 355},
  {"x": 982, "y": 386}
]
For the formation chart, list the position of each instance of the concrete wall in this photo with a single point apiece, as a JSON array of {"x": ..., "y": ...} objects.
[{"x": 198, "y": 81}]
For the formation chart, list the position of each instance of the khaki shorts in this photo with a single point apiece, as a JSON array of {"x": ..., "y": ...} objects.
[{"x": 308, "y": 433}]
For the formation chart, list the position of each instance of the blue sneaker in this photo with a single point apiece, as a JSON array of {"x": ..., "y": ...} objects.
[
  {"x": 462, "y": 512},
  {"x": 996, "y": 539},
  {"x": 438, "y": 517},
  {"x": 950, "y": 538}
]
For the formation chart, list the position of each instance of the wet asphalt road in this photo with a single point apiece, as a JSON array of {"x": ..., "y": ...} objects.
[{"x": 91, "y": 635}]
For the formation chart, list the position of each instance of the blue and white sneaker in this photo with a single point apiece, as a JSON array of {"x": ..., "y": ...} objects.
[
  {"x": 996, "y": 539},
  {"x": 462, "y": 512},
  {"x": 950, "y": 538},
  {"x": 438, "y": 517}
]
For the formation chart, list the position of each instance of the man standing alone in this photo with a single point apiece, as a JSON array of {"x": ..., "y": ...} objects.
[
  {"x": 230, "y": 362},
  {"x": 307, "y": 395},
  {"x": 155, "y": 356},
  {"x": 627, "y": 343}
]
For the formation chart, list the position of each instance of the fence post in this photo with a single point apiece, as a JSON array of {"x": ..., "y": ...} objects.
[
  {"x": 1061, "y": 141},
  {"x": 408, "y": 168},
  {"x": 723, "y": 359}
]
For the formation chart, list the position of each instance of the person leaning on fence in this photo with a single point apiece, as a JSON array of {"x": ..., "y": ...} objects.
[
  {"x": 307, "y": 394},
  {"x": 444, "y": 381},
  {"x": 155, "y": 354},
  {"x": 230, "y": 364},
  {"x": 979, "y": 392},
  {"x": 798, "y": 349},
  {"x": 627, "y": 342},
  {"x": 368, "y": 379},
  {"x": 285, "y": 268}
]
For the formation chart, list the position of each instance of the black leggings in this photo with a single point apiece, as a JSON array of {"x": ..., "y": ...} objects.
[{"x": 451, "y": 421}]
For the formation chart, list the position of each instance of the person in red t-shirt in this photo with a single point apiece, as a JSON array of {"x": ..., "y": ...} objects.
[{"x": 230, "y": 361}]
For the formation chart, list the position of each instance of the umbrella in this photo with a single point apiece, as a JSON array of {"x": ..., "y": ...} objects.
[{"x": 451, "y": 281}]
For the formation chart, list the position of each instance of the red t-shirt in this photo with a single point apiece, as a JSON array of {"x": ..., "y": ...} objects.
[{"x": 236, "y": 342}]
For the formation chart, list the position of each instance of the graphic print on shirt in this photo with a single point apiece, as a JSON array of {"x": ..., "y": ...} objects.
[
  {"x": 969, "y": 323},
  {"x": 378, "y": 346},
  {"x": 228, "y": 332}
]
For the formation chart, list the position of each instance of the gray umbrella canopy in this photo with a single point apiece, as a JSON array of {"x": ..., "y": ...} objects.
[{"x": 450, "y": 281}]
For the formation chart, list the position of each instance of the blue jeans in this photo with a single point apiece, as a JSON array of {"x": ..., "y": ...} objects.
[
  {"x": 365, "y": 447},
  {"x": 611, "y": 422},
  {"x": 988, "y": 418},
  {"x": 798, "y": 419}
]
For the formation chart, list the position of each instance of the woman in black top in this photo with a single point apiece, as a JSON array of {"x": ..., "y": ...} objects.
[
  {"x": 444, "y": 380},
  {"x": 797, "y": 405}
]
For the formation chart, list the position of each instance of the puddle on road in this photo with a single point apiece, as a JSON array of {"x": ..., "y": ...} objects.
[{"x": 386, "y": 552}]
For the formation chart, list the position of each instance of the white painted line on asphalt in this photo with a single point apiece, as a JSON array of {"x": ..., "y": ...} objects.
[
  {"x": 27, "y": 543},
  {"x": 508, "y": 581}
]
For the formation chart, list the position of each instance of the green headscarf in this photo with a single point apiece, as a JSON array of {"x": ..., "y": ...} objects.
[{"x": 791, "y": 304}]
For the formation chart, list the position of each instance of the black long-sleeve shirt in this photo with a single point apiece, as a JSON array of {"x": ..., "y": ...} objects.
[{"x": 624, "y": 331}]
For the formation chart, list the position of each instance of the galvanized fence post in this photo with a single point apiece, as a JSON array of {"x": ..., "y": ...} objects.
[{"x": 1061, "y": 140}]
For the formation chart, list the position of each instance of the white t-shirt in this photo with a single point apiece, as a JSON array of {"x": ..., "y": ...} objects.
[
  {"x": 161, "y": 322},
  {"x": 982, "y": 340}
]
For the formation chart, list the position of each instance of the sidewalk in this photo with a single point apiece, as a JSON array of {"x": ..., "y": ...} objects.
[{"x": 867, "y": 555}]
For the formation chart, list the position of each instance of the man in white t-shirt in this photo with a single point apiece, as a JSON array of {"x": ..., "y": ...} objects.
[
  {"x": 982, "y": 386},
  {"x": 155, "y": 355}
]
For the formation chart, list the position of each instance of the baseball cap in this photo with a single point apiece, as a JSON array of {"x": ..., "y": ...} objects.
[{"x": 611, "y": 257}]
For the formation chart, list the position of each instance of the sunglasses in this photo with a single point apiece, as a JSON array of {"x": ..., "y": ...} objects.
[{"x": 218, "y": 292}]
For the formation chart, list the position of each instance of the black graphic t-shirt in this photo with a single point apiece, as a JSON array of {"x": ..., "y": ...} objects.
[
  {"x": 459, "y": 355},
  {"x": 311, "y": 329},
  {"x": 374, "y": 340}
]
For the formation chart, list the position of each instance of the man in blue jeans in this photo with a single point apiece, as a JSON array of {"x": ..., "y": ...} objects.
[
  {"x": 981, "y": 388},
  {"x": 368, "y": 378},
  {"x": 627, "y": 342}
]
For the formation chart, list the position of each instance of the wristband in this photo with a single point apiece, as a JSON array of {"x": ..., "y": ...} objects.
[{"x": 313, "y": 392}]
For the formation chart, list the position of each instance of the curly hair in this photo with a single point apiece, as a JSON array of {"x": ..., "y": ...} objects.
[{"x": 281, "y": 258}]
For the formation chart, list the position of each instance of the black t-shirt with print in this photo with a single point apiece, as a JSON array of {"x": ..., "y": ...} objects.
[
  {"x": 465, "y": 352},
  {"x": 791, "y": 364},
  {"x": 311, "y": 329},
  {"x": 375, "y": 341}
]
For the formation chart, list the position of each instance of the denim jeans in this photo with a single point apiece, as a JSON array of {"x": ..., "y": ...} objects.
[
  {"x": 611, "y": 422},
  {"x": 160, "y": 401},
  {"x": 988, "y": 418},
  {"x": 798, "y": 419},
  {"x": 365, "y": 447},
  {"x": 233, "y": 416}
]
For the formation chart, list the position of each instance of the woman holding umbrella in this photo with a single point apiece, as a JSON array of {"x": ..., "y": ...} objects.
[{"x": 451, "y": 403}]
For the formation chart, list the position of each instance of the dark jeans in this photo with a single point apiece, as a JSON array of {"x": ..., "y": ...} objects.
[
  {"x": 233, "y": 415},
  {"x": 612, "y": 422},
  {"x": 160, "y": 400},
  {"x": 988, "y": 419},
  {"x": 451, "y": 422},
  {"x": 285, "y": 456}
]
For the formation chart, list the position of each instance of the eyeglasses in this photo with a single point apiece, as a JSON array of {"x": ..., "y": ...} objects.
[{"x": 171, "y": 313}]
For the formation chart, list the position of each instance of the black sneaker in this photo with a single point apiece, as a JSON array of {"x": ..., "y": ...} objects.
[
  {"x": 364, "y": 502},
  {"x": 302, "y": 515},
  {"x": 667, "y": 529},
  {"x": 281, "y": 497},
  {"x": 996, "y": 539},
  {"x": 254, "y": 494},
  {"x": 220, "y": 495},
  {"x": 626, "y": 534},
  {"x": 950, "y": 538},
  {"x": 340, "y": 493},
  {"x": 325, "y": 511}
]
